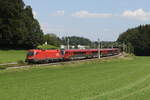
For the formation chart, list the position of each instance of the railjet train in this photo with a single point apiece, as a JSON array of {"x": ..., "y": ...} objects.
[{"x": 47, "y": 56}]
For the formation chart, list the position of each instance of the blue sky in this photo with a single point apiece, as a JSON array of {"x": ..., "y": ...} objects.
[{"x": 105, "y": 19}]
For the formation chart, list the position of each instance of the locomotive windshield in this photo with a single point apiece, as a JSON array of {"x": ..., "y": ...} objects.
[{"x": 30, "y": 54}]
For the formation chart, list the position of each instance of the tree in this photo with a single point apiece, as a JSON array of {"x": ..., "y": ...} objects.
[
  {"x": 18, "y": 28},
  {"x": 75, "y": 40},
  {"x": 34, "y": 36},
  {"x": 52, "y": 39},
  {"x": 9, "y": 20},
  {"x": 138, "y": 38}
]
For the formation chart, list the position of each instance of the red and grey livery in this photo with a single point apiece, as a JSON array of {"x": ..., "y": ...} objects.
[{"x": 45, "y": 56}]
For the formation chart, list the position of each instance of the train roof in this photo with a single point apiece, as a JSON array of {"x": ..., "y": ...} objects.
[
  {"x": 84, "y": 50},
  {"x": 71, "y": 50}
]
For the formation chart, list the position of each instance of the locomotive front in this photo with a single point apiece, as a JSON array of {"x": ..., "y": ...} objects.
[
  {"x": 43, "y": 56},
  {"x": 30, "y": 58}
]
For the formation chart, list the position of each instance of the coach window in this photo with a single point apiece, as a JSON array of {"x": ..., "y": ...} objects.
[
  {"x": 67, "y": 53},
  {"x": 94, "y": 52},
  {"x": 79, "y": 52}
]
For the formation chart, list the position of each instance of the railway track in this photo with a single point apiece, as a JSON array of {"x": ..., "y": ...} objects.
[
  {"x": 8, "y": 64},
  {"x": 58, "y": 63}
]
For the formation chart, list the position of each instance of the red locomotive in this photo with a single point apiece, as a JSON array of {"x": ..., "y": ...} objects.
[{"x": 45, "y": 56}]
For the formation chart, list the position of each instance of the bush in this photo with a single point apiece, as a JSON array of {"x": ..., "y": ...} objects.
[
  {"x": 3, "y": 67},
  {"x": 47, "y": 47},
  {"x": 21, "y": 62}
]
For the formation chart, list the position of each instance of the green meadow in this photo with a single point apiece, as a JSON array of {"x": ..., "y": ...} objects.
[
  {"x": 12, "y": 56},
  {"x": 116, "y": 79}
]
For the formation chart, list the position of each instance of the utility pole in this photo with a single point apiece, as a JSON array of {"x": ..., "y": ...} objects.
[
  {"x": 112, "y": 46},
  {"x": 99, "y": 53},
  {"x": 68, "y": 47},
  {"x": 124, "y": 48}
]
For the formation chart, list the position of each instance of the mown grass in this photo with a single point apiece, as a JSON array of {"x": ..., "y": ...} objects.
[
  {"x": 121, "y": 79},
  {"x": 9, "y": 56}
]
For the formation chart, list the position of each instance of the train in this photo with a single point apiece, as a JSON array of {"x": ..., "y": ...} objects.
[{"x": 47, "y": 56}]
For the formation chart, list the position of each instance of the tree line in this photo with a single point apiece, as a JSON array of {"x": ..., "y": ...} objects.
[
  {"x": 138, "y": 40},
  {"x": 53, "y": 39}
]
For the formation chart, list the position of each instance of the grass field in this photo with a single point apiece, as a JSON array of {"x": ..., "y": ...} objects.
[
  {"x": 121, "y": 79},
  {"x": 9, "y": 56}
]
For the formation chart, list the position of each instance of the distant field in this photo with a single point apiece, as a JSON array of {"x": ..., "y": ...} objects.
[
  {"x": 111, "y": 80},
  {"x": 8, "y": 56}
]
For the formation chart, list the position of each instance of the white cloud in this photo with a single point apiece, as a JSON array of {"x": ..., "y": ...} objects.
[
  {"x": 58, "y": 13},
  {"x": 138, "y": 14},
  {"x": 86, "y": 14}
]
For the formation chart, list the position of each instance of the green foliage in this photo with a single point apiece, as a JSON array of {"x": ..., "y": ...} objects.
[
  {"x": 138, "y": 39},
  {"x": 75, "y": 40},
  {"x": 18, "y": 28},
  {"x": 3, "y": 67},
  {"x": 52, "y": 39},
  {"x": 21, "y": 62},
  {"x": 47, "y": 47},
  {"x": 107, "y": 44}
]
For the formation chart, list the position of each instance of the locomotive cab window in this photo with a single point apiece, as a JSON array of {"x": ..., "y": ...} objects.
[{"x": 30, "y": 53}]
